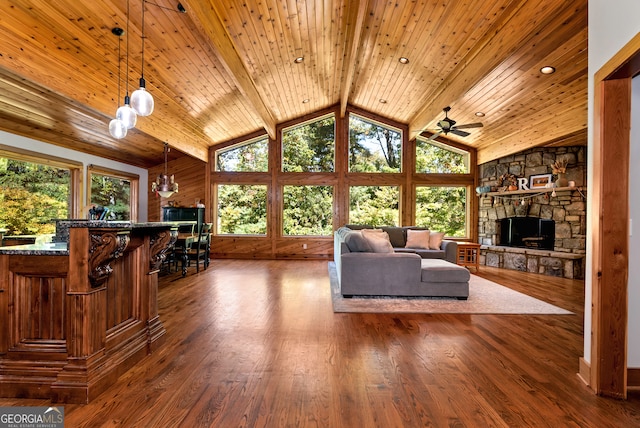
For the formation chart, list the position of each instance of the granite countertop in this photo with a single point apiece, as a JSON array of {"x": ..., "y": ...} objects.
[
  {"x": 59, "y": 248},
  {"x": 45, "y": 249}
]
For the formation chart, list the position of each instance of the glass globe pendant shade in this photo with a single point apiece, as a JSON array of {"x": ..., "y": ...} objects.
[
  {"x": 126, "y": 114},
  {"x": 141, "y": 100},
  {"x": 117, "y": 129}
]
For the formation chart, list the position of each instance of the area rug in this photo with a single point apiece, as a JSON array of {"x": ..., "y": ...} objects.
[{"x": 485, "y": 297}]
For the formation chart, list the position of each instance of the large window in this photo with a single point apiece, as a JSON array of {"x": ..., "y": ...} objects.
[
  {"x": 309, "y": 147},
  {"x": 433, "y": 157},
  {"x": 374, "y": 205},
  {"x": 31, "y": 195},
  {"x": 308, "y": 210},
  {"x": 442, "y": 209},
  {"x": 373, "y": 147},
  {"x": 113, "y": 192},
  {"x": 249, "y": 156},
  {"x": 242, "y": 209}
]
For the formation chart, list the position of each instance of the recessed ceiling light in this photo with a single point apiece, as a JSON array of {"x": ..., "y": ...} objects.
[
  {"x": 404, "y": 60},
  {"x": 383, "y": 101},
  {"x": 547, "y": 69},
  {"x": 479, "y": 114},
  {"x": 298, "y": 60},
  {"x": 306, "y": 100}
]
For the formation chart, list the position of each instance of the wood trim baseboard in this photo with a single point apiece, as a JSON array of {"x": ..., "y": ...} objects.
[
  {"x": 633, "y": 377},
  {"x": 584, "y": 372}
]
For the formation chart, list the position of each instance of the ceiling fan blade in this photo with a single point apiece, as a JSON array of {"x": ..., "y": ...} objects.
[
  {"x": 459, "y": 133},
  {"x": 434, "y": 136},
  {"x": 470, "y": 125}
]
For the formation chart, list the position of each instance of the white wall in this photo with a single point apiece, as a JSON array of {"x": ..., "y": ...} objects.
[
  {"x": 48, "y": 149},
  {"x": 611, "y": 26}
]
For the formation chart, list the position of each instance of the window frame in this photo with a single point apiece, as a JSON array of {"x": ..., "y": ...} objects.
[
  {"x": 75, "y": 172},
  {"x": 134, "y": 191},
  {"x": 447, "y": 147}
]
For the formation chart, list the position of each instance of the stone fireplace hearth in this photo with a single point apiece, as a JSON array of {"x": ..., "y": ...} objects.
[{"x": 566, "y": 209}]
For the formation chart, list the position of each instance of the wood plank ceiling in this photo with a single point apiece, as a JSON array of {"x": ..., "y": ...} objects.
[{"x": 226, "y": 68}]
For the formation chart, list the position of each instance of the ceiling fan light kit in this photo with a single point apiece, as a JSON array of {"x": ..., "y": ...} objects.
[{"x": 448, "y": 125}]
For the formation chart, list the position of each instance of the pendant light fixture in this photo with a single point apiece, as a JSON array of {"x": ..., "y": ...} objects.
[
  {"x": 125, "y": 113},
  {"x": 141, "y": 99},
  {"x": 117, "y": 128},
  {"x": 164, "y": 185}
]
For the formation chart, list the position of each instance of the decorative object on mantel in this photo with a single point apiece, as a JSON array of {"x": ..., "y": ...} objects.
[
  {"x": 509, "y": 182},
  {"x": 559, "y": 167},
  {"x": 164, "y": 185}
]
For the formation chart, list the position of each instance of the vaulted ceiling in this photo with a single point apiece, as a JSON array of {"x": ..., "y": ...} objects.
[{"x": 226, "y": 68}]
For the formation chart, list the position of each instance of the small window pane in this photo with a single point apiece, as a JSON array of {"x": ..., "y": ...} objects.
[
  {"x": 252, "y": 156},
  {"x": 374, "y": 205},
  {"x": 442, "y": 209},
  {"x": 373, "y": 147},
  {"x": 435, "y": 158},
  {"x": 309, "y": 147},
  {"x": 112, "y": 193},
  {"x": 242, "y": 209},
  {"x": 32, "y": 196},
  {"x": 308, "y": 210}
]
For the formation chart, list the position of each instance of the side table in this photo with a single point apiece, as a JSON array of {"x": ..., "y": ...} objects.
[{"x": 468, "y": 254}]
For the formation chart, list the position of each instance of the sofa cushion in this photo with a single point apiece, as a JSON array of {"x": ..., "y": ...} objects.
[
  {"x": 397, "y": 235},
  {"x": 378, "y": 240},
  {"x": 436, "y": 270},
  {"x": 430, "y": 254},
  {"x": 417, "y": 239},
  {"x": 357, "y": 243},
  {"x": 435, "y": 240}
]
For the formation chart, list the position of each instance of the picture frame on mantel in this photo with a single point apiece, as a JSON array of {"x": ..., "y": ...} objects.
[{"x": 540, "y": 181}]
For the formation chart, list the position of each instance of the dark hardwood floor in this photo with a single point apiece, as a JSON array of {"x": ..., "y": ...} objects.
[{"x": 256, "y": 344}]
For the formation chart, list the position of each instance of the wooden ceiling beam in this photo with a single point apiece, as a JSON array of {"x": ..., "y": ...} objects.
[
  {"x": 354, "y": 22},
  {"x": 207, "y": 17}
]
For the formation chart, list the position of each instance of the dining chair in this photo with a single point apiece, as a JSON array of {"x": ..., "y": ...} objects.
[{"x": 199, "y": 251}]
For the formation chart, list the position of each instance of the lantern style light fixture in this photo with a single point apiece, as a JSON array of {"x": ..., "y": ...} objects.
[
  {"x": 117, "y": 128},
  {"x": 141, "y": 99},
  {"x": 125, "y": 113},
  {"x": 164, "y": 185}
]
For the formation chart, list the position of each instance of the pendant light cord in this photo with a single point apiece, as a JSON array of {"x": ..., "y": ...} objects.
[
  {"x": 118, "y": 100},
  {"x": 142, "y": 65},
  {"x": 127, "y": 73}
]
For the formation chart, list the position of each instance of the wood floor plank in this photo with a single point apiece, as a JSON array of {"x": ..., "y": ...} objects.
[{"x": 255, "y": 343}]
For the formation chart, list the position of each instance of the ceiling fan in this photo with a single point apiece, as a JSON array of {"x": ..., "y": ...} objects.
[{"x": 448, "y": 125}]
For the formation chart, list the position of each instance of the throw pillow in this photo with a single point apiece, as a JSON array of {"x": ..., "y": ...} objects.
[
  {"x": 435, "y": 240},
  {"x": 378, "y": 240},
  {"x": 356, "y": 242},
  {"x": 417, "y": 239}
]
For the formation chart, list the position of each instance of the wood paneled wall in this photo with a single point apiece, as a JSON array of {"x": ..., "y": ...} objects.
[{"x": 191, "y": 176}]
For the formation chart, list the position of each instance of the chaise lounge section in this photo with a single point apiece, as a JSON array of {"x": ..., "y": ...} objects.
[{"x": 364, "y": 272}]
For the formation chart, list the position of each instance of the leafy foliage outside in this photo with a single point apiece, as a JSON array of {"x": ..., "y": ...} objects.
[
  {"x": 113, "y": 193},
  {"x": 373, "y": 148},
  {"x": 250, "y": 157},
  {"x": 309, "y": 147},
  {"x": 242, "y": 209},
  {"x": 308, "y": 210},
  {"x": 434, "y": 159},
  {"x": 442, "y": 209},
  {"x": 374, "y": 205},
  {"x": 31, "y": 195}
]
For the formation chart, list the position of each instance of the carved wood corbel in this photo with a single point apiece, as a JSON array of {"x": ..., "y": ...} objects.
[
  {"x": 159, "y": 246},
  {"x": 106, "y": 245}
]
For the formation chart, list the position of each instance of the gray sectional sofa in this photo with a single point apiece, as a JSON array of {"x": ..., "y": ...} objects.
[{"x": 402, "y": 272}]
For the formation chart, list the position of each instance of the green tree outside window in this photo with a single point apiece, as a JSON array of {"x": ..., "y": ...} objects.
[
  {"x": 308, "y": 210},
  {"x": 242, "y": 209},
  {"x": 374, "y": 205},
  {"x": 442, "y": 209},
  {"x": 373, "y": 147}
]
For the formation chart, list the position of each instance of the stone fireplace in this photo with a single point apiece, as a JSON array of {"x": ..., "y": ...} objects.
[{"x": 557, "y": 220}]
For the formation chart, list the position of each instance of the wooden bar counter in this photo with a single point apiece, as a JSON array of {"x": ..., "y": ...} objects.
[{"x": 76, "y": 314}]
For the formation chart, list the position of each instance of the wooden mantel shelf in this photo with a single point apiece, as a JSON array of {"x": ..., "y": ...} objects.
[{"x": 525, "y": 192}]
